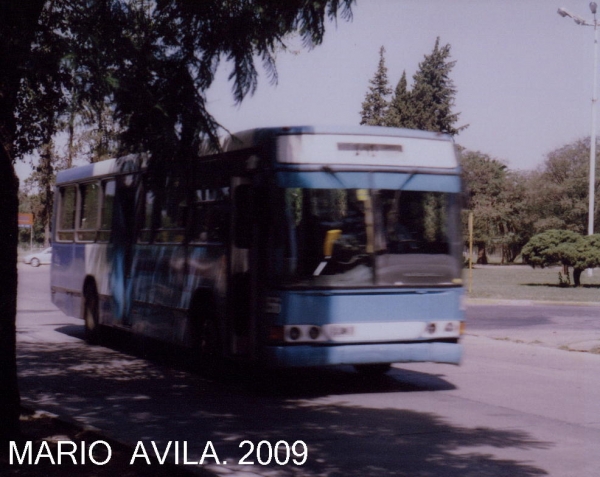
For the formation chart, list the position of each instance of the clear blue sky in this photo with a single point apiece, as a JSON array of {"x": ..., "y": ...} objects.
[{"x": 523, "y": 73}]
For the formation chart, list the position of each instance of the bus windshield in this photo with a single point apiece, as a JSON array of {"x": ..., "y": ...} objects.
[{"x": 366, "y": 238}]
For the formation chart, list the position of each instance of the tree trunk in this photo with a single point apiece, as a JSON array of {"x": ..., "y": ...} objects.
[
  {"x": 577, "y": 276},
  {"x": 18, "y": 23},
  {"x": 9, "y": 390},
  {"x": 481, "y": 255}
]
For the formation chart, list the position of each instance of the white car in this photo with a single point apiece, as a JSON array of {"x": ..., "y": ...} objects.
[{"x": 43, "y": 257}]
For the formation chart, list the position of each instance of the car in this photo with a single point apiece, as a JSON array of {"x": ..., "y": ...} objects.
[{"x": 43, "y": 257}]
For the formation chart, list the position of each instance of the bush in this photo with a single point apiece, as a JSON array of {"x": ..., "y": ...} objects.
[{"x": 566, "y": 248}]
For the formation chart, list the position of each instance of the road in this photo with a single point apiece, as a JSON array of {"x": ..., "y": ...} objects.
[
  {"x": 516, "y": 407},
  {"x": 575, "y": 328}
]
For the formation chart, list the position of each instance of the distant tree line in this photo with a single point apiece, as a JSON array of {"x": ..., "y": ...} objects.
[{"x": 510, "y": 207}]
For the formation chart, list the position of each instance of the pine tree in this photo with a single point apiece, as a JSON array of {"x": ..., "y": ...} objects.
[
  {"x": 433, "y": 93},
  {"x": 399, "y": 114},
  {"x": 375, "y": 105}
]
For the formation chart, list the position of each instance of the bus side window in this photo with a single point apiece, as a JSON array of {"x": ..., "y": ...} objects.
[
  {"x": 210, "y": 221},
  {"x": 243, "y": 216},
  {"x": 106, "y": 211},
  {"x": 66, "y": 214},
  {"x": 146, "y": 232},
  {"x": 89, "y": 204},
  {"x": 173, "y": 215}
]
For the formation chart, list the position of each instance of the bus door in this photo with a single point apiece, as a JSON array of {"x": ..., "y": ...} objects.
[
  {"x": 122, "y": 248},
  {"x": 248, "y": 264}
]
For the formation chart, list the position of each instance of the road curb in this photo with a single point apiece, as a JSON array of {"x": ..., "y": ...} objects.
[{"x": 498, "y": 301}]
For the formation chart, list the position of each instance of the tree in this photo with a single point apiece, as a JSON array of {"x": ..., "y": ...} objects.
[
  {"x": 39, "y": 188},
  {"x": 18, "y": 23},
  {"x": 432, "y": 96},
  {"x": 485, "y": 179},
  {"x": 428, "y": 106},
  {"x": 564, "y": 247},
  {"x": 154, "y": 63},
  {"x": 516, "y": 227},
  {"x": 558, "y": 196},
  {"x": 400, "y": 113},
  {"x": 375, "y": 105},
  {"x": 30, "y": 204}
]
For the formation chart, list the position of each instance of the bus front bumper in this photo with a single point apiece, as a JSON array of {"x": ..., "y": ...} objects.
[{"x": 312, "y": 355}]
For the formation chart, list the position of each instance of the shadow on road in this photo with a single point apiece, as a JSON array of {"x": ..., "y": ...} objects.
[
  {"x": 133, "y": 399},
  {"x": 311, "y": 382},
  {"x": 558, "y": 285}
]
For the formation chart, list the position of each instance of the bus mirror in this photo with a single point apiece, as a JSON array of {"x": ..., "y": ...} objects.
[
  {"x": 242, "y": 231},
  {"x": 330, "y": 239}
]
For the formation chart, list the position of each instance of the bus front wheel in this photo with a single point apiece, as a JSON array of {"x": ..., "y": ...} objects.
[{"x": 90, "y": 314}]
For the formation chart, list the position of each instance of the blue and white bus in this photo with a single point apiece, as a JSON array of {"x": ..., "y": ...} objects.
[{"x": 294, "y": 246}]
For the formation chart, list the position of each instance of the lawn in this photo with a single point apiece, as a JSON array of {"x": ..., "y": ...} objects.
[{"x": 521, "y": 282}]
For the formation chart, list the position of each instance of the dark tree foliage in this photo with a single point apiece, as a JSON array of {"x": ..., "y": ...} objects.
[{"x": 152, "y": 63}]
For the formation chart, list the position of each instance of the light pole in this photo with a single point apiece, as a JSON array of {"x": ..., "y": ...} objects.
[{"x": 580, "y": 21}]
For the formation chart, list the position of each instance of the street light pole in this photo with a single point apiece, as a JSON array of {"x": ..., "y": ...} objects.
[
  {"x": 592, "y": 193},
  {"x": 593, "y": 134}
]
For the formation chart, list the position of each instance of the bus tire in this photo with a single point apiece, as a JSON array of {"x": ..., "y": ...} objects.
[
  {"x": 91, "y": 314},
  {"x": 205, "y": 336},
  {"x": 373, "y": 370}
]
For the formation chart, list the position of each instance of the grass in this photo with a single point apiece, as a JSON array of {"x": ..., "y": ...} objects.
[{"x": 521, "y": 282}]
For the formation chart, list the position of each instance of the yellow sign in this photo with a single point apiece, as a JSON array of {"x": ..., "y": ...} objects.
[{"x": 25, "y": 220}]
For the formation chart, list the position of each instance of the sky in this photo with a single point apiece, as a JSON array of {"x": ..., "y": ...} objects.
[{"x": 523, "y": 74}]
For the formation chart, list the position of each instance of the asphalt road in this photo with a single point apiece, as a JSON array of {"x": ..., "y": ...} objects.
[
  {"x": 567, "y": 327},
  {"x": 518, "y": 406}
]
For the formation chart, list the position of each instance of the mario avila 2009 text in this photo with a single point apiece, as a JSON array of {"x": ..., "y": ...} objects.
[{"x": 99, "y": 453}]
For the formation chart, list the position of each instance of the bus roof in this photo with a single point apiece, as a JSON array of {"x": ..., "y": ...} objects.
[
  {"x": 355, "y": 146},
  {"x": 336, "y": 145},
  {"x": 253, "y": 137},
  {"x": 109, "y": 167}
]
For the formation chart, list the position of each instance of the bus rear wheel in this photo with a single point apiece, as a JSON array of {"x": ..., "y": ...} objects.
[
  {"x": 91, "y": 314},
  {"x": 378, "y": 369},
  {"x": 205, "y": 337}
]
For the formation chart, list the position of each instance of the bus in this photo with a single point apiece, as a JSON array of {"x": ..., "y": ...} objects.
[{"x": 291, "y": 247}]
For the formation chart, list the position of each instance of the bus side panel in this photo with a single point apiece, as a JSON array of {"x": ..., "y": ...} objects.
[
  {"x": 71, "y": 264},
  {"x": 98, "y": 268},
  {"x": 166, "y": 277},
  {"x": 66, "y": 277}
]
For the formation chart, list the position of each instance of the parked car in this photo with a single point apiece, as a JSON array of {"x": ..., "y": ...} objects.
[{"x": 43, "y": 257}]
